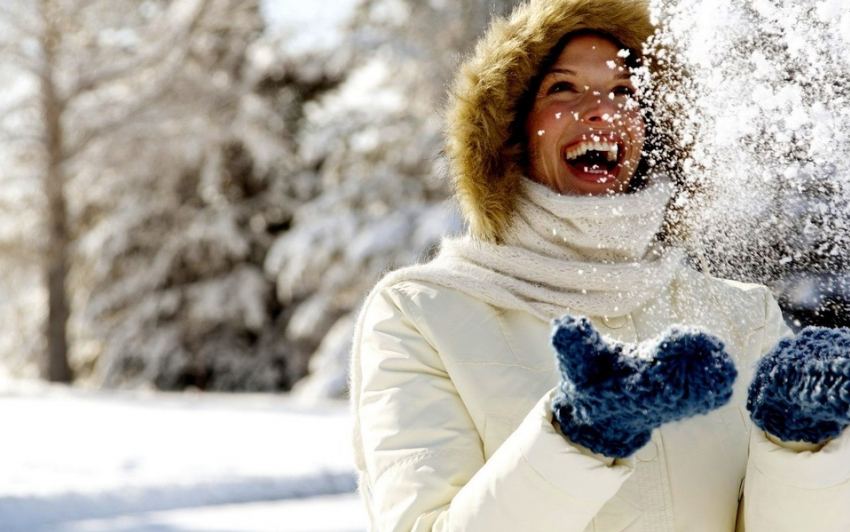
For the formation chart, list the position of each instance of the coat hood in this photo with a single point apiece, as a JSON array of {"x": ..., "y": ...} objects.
[{"x": 485, "y": 159}]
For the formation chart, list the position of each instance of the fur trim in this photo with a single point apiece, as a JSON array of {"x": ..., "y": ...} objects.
[
  {"x": 482, "y": 103},
  {"x": 613, "y": 395}
]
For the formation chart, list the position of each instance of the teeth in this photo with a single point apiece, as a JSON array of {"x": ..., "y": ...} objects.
[{"x": 580, "y": 149}]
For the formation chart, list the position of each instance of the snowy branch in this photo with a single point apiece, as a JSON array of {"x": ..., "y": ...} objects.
[
  {"x": 178, "y": 35},
  {"x": 12, "y": 54},
  {"x": 172, "y": 64},
  {"x": 16, "y": 107},
  {"x": 10, "y": 136},
  {"x": 18, "y": 250},
  {"x": 19, "y": 22}
]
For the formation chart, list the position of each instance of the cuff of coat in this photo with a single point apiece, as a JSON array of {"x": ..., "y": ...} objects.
[
  {"x": 561, "y": 462},
  {"x": 796, "y": 446},
  {"x": 812, "y": 469}
]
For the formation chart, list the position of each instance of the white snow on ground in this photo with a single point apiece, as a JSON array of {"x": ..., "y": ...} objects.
[
  {"x": 327, "y": 513},
  {"x": 75, "y": 461}
]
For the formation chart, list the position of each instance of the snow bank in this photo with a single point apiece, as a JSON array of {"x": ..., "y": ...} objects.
[{"x": 71, "y": 455}]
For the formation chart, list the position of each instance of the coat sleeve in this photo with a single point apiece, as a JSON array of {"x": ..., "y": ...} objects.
[
  {"x": 424, "y": 466},
  {"x": 788, "y": 489}
]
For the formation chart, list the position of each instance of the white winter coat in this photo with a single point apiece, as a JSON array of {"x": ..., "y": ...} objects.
[{"x": 457, "y": 432}]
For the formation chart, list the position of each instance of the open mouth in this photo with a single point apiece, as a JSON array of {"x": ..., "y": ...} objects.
[{"x": 594, "y": 161}]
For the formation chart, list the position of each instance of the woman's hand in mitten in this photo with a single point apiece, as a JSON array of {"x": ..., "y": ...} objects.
[
  {"x": 801, "y": 389},
  {"x": 612, "y": 395}
]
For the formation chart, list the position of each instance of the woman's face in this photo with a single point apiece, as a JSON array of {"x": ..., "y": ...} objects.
[{"x": 585, "y": 131}]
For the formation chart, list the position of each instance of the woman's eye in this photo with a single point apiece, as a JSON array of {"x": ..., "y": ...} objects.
[
  {"x": 623, "y": 91},
  {"x": 561, "y": 86}
]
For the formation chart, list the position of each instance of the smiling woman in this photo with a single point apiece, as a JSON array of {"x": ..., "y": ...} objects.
[
  {"x": 585, "y": 131},
  {"x": 560, "y": 367}
]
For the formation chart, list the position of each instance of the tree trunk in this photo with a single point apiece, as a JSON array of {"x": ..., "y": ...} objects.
[{"x": 55, "y": 368}]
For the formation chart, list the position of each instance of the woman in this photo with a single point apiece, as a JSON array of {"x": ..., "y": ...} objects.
[{"x": 453, "y": 372}]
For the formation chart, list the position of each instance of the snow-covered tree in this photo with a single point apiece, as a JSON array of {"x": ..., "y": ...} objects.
[
  {"x": 175, "y": 295},
  {"x": 90, "y": 79},
  {"x": 156, "y": 210},
  {"x": 373, "y": 144}
]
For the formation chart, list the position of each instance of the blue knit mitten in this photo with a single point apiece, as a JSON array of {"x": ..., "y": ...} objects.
[
  {"x": 801, "y": 389},
  {"x": 613, "y": 395}
]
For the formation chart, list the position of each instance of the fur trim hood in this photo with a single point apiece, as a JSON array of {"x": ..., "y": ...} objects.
[{"x": 485, "y": 161}]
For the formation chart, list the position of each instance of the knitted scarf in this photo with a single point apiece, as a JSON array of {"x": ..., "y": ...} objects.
[{"x": 579, "y": 255}]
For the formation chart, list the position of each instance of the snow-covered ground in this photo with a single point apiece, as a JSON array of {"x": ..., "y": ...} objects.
[{"x": 77, "y": 461}]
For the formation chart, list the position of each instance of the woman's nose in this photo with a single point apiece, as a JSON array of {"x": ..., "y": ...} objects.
[{"x": 598, "y": 108}]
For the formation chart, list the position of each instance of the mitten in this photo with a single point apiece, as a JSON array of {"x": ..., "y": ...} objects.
[
  {"x": 613, "y": 395},
  {"x": 801, "y": 389}
]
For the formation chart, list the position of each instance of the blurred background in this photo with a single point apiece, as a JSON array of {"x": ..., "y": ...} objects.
[{"x": 195, "y": 195}]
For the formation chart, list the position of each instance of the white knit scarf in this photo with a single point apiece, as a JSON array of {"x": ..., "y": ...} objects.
[{"x": 591, "y": 256}]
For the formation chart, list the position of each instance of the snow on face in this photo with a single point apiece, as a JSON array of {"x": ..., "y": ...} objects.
[
  {"x": 585, "y": 132},
  {"x": 767, "y": 120}
]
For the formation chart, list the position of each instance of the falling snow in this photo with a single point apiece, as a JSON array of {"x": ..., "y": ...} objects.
[{"x": 762, "y": 117}]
